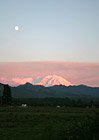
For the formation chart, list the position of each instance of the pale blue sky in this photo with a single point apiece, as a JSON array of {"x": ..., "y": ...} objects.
[{"x": 65, "y": 30}]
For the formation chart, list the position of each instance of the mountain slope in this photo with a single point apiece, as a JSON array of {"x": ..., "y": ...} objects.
[
  {"x": 79, "y": 90},
  {"x": 38, "y": 91},
  {"x": 51, "y": 80}
]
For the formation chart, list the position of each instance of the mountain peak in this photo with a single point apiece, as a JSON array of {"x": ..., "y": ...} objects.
[
  {"x": 51, "y": 80},
  {"x": 27, "y": 83}
]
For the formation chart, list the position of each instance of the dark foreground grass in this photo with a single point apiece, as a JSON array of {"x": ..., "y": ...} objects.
[{"x": 48, "y": 123}]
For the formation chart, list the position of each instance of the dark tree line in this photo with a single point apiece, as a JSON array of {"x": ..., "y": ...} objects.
[{"x": 6, "y": 98}]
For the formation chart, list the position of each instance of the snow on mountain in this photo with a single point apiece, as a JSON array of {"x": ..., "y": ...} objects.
[
  {"x": 51, "y": 80},
  {"x": 46, "y": 81}
]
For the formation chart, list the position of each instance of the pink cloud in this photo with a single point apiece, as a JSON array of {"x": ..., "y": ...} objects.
[
  {"x": 92, "y": 79},
  {"x": 4, "y": 80},
  {"x": 75, "y": 72},
  {"x": 15, "y": 81},
  {"x": 21, "y": 81}
]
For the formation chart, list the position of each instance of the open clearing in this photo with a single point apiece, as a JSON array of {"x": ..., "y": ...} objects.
[{"x": 48, "y": 123}]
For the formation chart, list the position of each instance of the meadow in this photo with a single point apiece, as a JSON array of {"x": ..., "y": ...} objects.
[{"x": 49, "y": 123}]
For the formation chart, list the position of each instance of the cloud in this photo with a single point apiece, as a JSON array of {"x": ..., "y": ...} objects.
[
  {"x": 92, "y": 79},
  {"x": 4, "y": 80},
  {"x": 75, "y": 72},
  {"x": 15, "y": 81},
  {"x": 21, "y": 81}
]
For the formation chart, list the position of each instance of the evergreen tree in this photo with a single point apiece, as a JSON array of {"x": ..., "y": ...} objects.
[{"x": 6, "y": 98}]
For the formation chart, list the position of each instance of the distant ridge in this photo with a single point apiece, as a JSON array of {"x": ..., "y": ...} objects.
[{"x": 38, "y": 91}]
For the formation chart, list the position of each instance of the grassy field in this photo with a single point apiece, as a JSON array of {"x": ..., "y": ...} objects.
[{"x": 48, "y": 123}]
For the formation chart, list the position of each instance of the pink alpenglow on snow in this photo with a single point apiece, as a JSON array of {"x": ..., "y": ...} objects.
[
  {"x": 15, "y": 73},
  {"x": 51, "y": 80}
]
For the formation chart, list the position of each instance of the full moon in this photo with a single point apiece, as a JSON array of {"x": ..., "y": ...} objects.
[{"x": 16, "y": 28}]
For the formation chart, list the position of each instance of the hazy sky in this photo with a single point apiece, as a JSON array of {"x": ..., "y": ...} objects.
[{"x": 65, "y": 30}]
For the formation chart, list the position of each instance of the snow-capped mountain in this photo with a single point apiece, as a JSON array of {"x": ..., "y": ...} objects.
[{"x": 51, "y": 80}]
